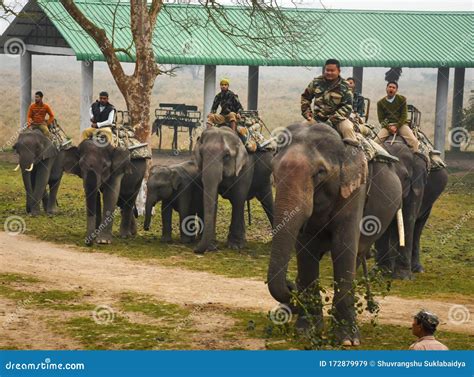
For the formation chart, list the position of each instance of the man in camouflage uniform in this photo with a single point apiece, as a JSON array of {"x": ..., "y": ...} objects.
[
  {"x": 332, "y": 101},
  {"x": 230, "y": 107}
]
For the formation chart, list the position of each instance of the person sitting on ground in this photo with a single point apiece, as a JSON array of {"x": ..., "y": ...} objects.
[
  {"x": 392, "y": 113},
  {"x": 102, "y": 114},
  {"x": 230, "y": 107},
  {"x": 424, "y": 326},
  {"x": 36, "y": 118},
  {"x": 332, "y": 101},
  {"x": 358, "y": 105}
]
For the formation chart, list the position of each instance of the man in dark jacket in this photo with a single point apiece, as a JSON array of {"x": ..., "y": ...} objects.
[
  {"x": 102, "y": 114},
  {"x": 230, "y": 107}
]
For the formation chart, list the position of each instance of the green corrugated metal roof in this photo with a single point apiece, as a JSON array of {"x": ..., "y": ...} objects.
[{"x": 355, "y": 37}]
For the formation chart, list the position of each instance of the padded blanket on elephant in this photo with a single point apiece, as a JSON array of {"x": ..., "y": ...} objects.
[
  {"x": 426, "y": 148},
  {"x": 249, "y": 129},
  {"x": 124, "y": 137}
]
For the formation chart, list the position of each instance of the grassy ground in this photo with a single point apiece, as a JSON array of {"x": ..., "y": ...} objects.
[
  {"x": 446, "y": 242},
  {"x": 140, "y": 322}
]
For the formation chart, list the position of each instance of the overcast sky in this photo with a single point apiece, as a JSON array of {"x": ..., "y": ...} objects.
[{"x": 424, "y": 5}]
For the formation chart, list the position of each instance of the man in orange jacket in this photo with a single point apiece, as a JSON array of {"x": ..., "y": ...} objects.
[{"x": 37, "y": 115}]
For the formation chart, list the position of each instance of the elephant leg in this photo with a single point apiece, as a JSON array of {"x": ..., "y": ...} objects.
[
  {"x": 402, "y": 268},
  {"x": 98, "y": 211},
  {"x": 166, "y": 220},
  {"x": 110, "y": 196},
  {"x": 307, "y": 280},
  {"x": 185, "y": 230},
  {"x": 419, "y": 225},
  {"x": 387, "y": 248},
  {"x": 40, "y": 181},
  {"x": 44, "y": 200},
  {"x": 344, "y": 256},
  {"x": 126, "y": 221},
  {"x": 236, "y": 237},
  {"x": 266, "y": 199},
  {"x": 52, "y": 199},
  {"x": 133, "y": 226}
]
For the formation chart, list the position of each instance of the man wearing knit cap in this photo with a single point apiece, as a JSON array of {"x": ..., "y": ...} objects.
[
  {"x": 230, "y": 107},
  {"x": 424, "y": 326}
]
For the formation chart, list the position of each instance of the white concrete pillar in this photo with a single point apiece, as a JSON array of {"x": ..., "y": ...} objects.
[
  {"x": 441, "y": 109},
  {"x": 87, "y": 91},
  {"x": 209, "y": 88},
  {"x": 358, "y": 75},
  {"x": 252, "y": 89},
  {"x": 25, "y": 86},
  {"x": 458, "y": 98}
]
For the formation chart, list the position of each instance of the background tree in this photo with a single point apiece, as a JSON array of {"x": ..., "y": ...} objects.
[{"x": 268, "y": 27}]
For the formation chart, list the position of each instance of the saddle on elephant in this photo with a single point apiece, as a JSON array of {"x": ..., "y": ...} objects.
[
  {"x": 250, "y": 131},
  {"x": 124, "y": 136},
  {"x": 56, "y": 134}
]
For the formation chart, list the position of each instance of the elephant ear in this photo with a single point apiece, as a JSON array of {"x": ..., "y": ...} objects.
[
  {"x": 47, "y": 149},
  {"x": 354, "y": 171},
  {"x": 241, "y": 158},
  {"x": 175, "y": 179},
  {"x": 71, "y": 161},
  {"x": 120, "y": 158},
  {"x": 197, "y": 153}
]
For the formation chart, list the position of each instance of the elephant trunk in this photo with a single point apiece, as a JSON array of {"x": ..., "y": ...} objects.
[
  {"x": 149, "y": 204},
  {"x": 211, "y": 178},
  {"x": 293, "y": 207},
  {"x": 29, "y": 190}
]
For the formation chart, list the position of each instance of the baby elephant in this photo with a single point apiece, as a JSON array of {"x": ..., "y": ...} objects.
[{"x": 178, "y": 187}]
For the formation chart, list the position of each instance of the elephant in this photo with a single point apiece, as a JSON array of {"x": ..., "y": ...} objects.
[
  {"x": 420, "y": 190},
  {"x": 178, "y": 187},
  {"x": 328, "y": 198},
  {"x": 107, "y": 170},
  {"x": 227, "y": 169},
  {"x": 41, "y": 165}
]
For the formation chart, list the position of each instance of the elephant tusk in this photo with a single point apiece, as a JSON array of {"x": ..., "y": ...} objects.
[
  {"x": 30, "y": 168},
  {"x": 17, "y": 167},
  {"x": 401, "y": 229}
]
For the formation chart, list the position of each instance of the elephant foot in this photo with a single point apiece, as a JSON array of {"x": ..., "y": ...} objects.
[
  {"x": 303, "y": 324},
  {"x": 104, "y": 240},
  {"x": 166, "y": 239},
  {"x": 418, "y": 269},
  {"x": 402, "y": 275},
  {"x": 201, "y": 248},
  {"x": 236, "y": 245},
  {"x": 186, "y": 239},
  {"x": 88, "y": 242}
]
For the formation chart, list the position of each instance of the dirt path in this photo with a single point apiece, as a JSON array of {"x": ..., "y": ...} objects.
[{"x": 68, "y": 268}]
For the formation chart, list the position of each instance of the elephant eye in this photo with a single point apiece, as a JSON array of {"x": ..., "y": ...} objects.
[{"x": 226, "y": 156}]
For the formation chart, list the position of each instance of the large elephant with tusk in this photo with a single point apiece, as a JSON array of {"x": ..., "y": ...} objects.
[
  {"x": 41, "y": 165},
  {"x": 328, "y": 199}
]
